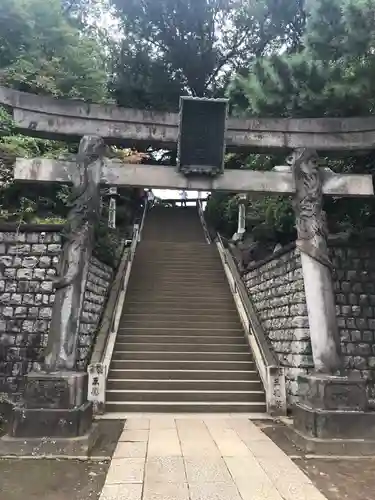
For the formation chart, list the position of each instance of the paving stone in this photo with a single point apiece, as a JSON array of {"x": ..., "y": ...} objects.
[
  {"x": 135, "y": 435},
  {"x": 251, "y": 489},
  {"x": 137, "y": 424},
  {"x": 126, "y": 470},
  {"x": 199, "y": 448},
  {"x": 164, "y": 443},
  {"x": 165, "y": 469},
  {"x": 162, "y": 422},
  {"x": 229, "y": 443},
  {"x": 206, "y": 470},
  {"x": 130, "y": 450},
  {"x": 122, "y": 492},
  {"x": 165, "y": 491},
  {"x": 279, "y": 468},
  {"x": 214, "y": 491},
  {"x": 253, "y": 469},
  {"x": 298, "y": 491},
  {"x": 244, "y": 468},
  {"x": 249, "y": 436},
  {"x": 218, "y": 423},
  {"x": 264, "y": 449}
]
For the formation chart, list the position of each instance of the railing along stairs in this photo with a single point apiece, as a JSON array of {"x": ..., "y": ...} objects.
[
  {"x": 106, "y": 338},
  {"x": 268, "y": 365}
]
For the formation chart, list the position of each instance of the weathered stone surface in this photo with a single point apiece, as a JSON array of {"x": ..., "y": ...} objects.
[
  {"x": 50, "y": 446},
  {"x": 121, "y": 174},
  {"x": 63, "y": 339},
  {"x": 277, "y": 291},
  {"x": 58, "y": 390},
  {"x": 325, "y": 424},
  {"x": 326, "y": 392},
  {"x": 271, "y": 290},
  {"x": 23, "y": 331},
  {"x": 51, "y": 118},
  {"x": 62, "y": 423}
]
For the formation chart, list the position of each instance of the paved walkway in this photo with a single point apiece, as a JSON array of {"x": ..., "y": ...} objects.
[{"x": 202, "y": 458}]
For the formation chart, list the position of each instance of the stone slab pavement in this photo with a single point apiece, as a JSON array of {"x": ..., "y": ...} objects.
[{"x": 202, "y": 458}]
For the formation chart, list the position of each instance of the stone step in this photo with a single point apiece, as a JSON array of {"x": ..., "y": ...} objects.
[
  {"x": 181, "y": 356},
  {"x": 123, "y": 384},
  {"x": 203, "y": 301},
  {"x": 181, "y": 332},
  {"x": 186, "y": 277},
  {"x": 141, "y": 364},
  {"x": 122, "y": 345},
  {"x": 170, "y": 296},
  {"x": 176, "y": 323},
  {"x": 180, "y": 345},
  {"x": 171, "y": 255},
  {"x": 189, "y": 288},
  {"x": 178, "y": 308},
  {"x": 185, "y": 407},
  {"x": 162, "y": 340},
  {"x": 191, "y": 267},
  {"x": 173, "y": 316},
  {"x": 170, "y": 282},
  {"x": 188, "y": 375},
  {"x": 179, "y": 395}
]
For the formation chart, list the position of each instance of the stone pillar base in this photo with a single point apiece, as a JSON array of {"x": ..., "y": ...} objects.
[
  {"x": 333, "y": 411},
  {"x": 329, "y": 392},
  {"x": 54, "y": 415},
  {"x": 50, "y": 447}
]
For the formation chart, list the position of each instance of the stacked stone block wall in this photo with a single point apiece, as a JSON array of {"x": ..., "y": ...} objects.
[
  {"x": 98, "y": 282},
  {"x": 29, "y": 257},
  {"x": 277, "y": 290},
  {"x": 354, "y": 283}
]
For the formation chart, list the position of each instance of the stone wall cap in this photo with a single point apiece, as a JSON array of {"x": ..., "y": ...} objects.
[
  {"x": 29, "y": 228},
  {"x": 272, "y": 256}
]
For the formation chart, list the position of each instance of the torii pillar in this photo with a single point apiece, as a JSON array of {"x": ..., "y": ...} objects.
[{"x": 333, "y": 405}]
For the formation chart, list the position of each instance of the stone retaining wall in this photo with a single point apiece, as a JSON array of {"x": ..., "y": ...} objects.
[
  {"x": 355, "y": 303},
  {"x": 277, "y": 290},
  {"x": 98, "y": 282},
  {"x": 28, "y": 263}
]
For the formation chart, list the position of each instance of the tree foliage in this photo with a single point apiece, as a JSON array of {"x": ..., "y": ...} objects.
[
  {"x": 276, "y": 58},
  {"x": 193, "y": 46},
  {"x": 331, "y": 73},
  {"x": 41, "y": 51},
  {"x": 45, "y": 51}
]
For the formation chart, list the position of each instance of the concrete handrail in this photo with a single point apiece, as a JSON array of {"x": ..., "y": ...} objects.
[
  {"x": 203, "y": 221},
  {"x": 270, "y": 370},
  {"x": 106, "y": 338}
]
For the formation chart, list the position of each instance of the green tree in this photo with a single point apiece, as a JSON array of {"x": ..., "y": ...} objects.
[
  {"x": 45, "y": 51},
  {"x": 41, "y": 51},
  {"x": 193, "y": 46},
  {"x": 332, "y": 73}
]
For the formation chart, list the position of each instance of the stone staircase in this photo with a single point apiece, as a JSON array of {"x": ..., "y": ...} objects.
[{"x": 180, "y": 345}]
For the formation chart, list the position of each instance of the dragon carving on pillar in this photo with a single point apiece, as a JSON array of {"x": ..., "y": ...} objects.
[
  {"x": 78, "y": 241},
  {"x": 308, "y": 206}
]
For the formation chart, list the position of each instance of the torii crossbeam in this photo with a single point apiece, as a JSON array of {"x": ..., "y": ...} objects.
[{"x": 116, "y": 173}]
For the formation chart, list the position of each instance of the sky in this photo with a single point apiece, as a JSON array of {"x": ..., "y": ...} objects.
[{"x": 171, "y": 194}]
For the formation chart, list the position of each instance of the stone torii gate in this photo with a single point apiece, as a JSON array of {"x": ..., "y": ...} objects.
[
  {"x": 201, "y": 157},
  {"x": 305, "y": 181}
]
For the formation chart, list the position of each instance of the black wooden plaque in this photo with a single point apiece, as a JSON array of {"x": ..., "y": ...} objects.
[{"x": 201, "y": 143}]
